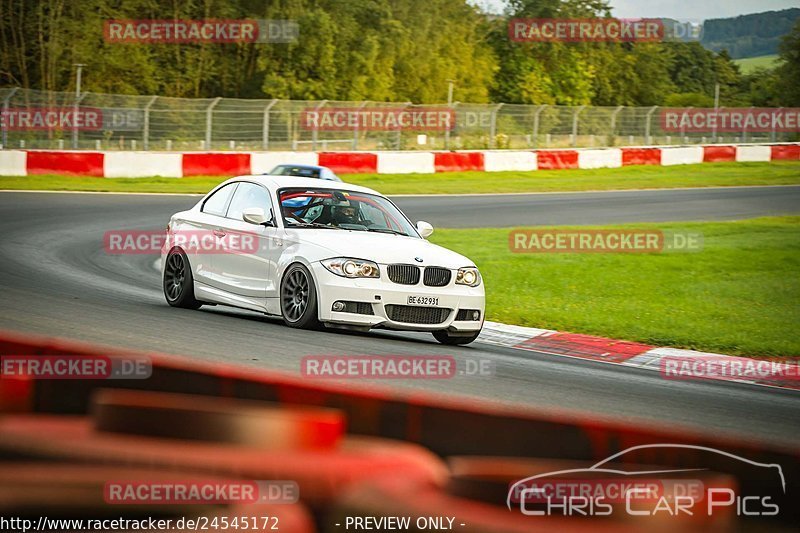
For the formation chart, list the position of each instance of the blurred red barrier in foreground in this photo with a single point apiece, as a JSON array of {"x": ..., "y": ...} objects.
[{"x": 251, "y": 424}]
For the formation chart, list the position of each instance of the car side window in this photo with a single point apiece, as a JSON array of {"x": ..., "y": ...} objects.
[
  {"x": 248, "y": 195},
  {"x": 218, "y": 202}
]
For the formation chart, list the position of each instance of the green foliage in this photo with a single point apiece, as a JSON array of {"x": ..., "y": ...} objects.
[
  {"x": 788, "y": 73},
  {"x": 382, "y": 50},
  {"x": 385, "y": 50},
  {"x": 689, "y": 100},
  {"x": 607, "y": 74}
]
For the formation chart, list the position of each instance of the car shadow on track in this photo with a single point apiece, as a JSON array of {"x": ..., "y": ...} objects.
[{"x": 253, "y": 316}]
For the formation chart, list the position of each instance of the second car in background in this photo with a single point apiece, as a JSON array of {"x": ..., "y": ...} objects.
[{"x": 305, "y": 171}]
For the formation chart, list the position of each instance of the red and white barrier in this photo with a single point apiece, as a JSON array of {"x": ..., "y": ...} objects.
[
  {"x": 13, "y": 163},
  {"x": 216, "y": 164},
  {"x": 753, "y": 153},
  {"x": 557, "y": 159},
  {"x": 406, "y": 163},
  {"x": 607, "y": 158},
  {"x": 500, "y": 160},
  {"x": 790, "y": 152},
  {"x": 458, "y": 161},
  {"x": 350, "y": 162},
  {"x": 719, "y": 154},
  {"x": 142, "y": 165},
  {"x": 180, "y": 164},
  {"x": 75, "y": 163},
  {"x": 641, "y": 156},
  {"x": 681, "y": 155}
]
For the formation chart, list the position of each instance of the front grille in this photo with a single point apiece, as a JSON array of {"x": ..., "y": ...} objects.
[
  {"x": 411, "y": 314},
  {"x": 436, "y": 277},
  {"x": 404, "y": 274},
  {"x": 359, "y": 308},
  {"x": 466, "y": 314}
]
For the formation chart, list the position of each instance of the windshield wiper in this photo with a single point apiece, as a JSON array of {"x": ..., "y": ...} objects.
[
  {"x": 387, "y": 230},
  {"x": 311, "y": 225}
]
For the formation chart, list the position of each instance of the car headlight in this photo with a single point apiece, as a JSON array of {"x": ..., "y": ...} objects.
[
  {"x": 351, "y": 268},
  {"x": 468, "y": 276}
]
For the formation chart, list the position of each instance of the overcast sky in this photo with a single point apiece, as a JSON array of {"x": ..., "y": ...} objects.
[{"x": 687, "y": 10}]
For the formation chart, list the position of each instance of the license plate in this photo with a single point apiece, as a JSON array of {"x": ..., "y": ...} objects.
[{"x": 423, "y": 300}]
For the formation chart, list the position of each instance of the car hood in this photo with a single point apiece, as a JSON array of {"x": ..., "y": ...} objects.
[{"x": 379, "y": 247}]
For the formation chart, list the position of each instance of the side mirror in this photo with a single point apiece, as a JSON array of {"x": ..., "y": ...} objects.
[
  {"x": 256, "y": 215},
  {"x": 424, "y": 229}
]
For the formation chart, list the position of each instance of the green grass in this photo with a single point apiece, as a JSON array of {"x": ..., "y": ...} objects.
[
  {"x": 634, "y": 177},
  {"x": 749, "y": 64},
  {"x": 739, "y": 295}
]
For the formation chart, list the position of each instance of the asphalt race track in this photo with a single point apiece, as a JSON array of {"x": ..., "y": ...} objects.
[
  {"x": 56, "y": 280},
  {"x": 611, "y": 207}
]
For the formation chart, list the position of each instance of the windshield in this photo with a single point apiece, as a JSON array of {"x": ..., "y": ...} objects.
[{"x": 330, "y": 208}]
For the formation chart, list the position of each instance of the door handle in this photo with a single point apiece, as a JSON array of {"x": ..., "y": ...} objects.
[{"x": 219, "y": 233}]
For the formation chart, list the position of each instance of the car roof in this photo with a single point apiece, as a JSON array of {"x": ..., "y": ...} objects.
[{"x": 280, "y": 182}]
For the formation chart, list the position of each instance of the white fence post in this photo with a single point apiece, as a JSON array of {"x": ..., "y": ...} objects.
[
  {"x": 209, "y": 112},
  {"x": 575, "y": 125},
  {"x": 613, "y": 132},
  {"x": 78, "y": 100},
  {"x": 265, "y": 125},
  {"x": 314, "y": 132},
  {"x": 6, "y": 100},
  {"x": 536, "y": 125},
  {"x": 647, "y": 127},
  {"x": 146, "y": 125}
]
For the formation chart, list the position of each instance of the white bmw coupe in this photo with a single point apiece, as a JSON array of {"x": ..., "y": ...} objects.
[{"x": 317, "y": 254}]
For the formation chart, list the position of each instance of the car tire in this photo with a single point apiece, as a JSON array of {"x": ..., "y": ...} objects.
[
  {"x": 299, "y": 298},
  {"x": 454, "y": 340},
  {"x": 177, "y": 282}
]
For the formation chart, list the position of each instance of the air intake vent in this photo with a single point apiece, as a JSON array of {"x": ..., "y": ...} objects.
[
  {"x": 416, "y": 315},
  {"x": 436, "y": 277},
  {"x": 468, "y": 314},
  {"x": 404, "y": 274},
  {"x": 359, "y": 308}
]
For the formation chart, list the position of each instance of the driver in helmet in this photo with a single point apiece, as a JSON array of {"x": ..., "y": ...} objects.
[{"x": 345, "y": 215}]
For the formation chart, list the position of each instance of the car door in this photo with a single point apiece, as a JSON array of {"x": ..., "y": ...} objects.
[
  {"x": 196, "y": 233},
  {"x": 248, "y": 265}
]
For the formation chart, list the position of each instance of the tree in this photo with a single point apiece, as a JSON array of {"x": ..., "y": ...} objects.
[{"x": 788, "y": 71}]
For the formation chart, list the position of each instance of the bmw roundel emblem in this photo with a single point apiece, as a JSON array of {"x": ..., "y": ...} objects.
[{"x": 418, "y": 259}]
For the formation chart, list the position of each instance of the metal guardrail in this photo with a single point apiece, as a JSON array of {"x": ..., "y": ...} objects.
[{"x": 130, "y": 122}]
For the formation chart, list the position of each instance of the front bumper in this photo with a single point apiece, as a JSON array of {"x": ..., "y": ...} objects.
[{"x": 382, "y": 292}]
